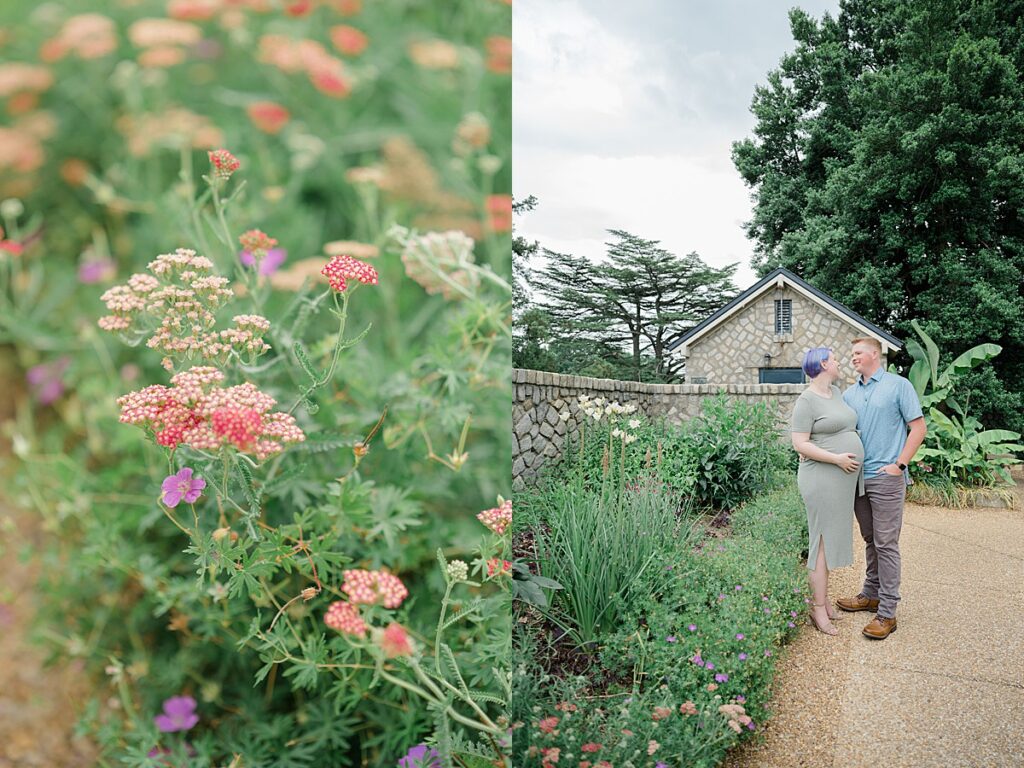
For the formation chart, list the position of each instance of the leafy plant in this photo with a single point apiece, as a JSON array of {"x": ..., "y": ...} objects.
[{"x": 957, "y": 446}]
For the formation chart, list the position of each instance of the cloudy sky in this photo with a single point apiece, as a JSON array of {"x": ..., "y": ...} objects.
[{"x": 624, "y": 114}]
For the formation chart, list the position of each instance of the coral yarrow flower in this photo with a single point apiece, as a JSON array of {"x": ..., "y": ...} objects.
[
  {"x": 344, "y": 617},
  {"x": 268, "y": 116},
  {"x": 499, "y": 518},
  {"x": 499, "y": 208},
  {"x": 224, "y": 163},
  {"x": 239, "y": 426},
  {"x": 256, "y": 240},
  {"x": 394, "y": 641},
  {"x": 372, "y": 587},
  {"x": 342, "y": 268}
]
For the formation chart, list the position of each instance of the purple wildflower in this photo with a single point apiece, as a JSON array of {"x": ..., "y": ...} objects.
[
  {"x": 790, "y": 624},
  {"x": 793, "y": 614},
  {"x": 709, "y": 665},
  {"x": 182, "y": 486},
  {"x": 271, "y": 262},
  {"x": 751, "y": 726},
  {"x": 739, "y": 635},
  {"x": 96, "y": 271},
  {"x": 767, "y": 610},
  {"x": 721, "y": 597},
  {"x": 46, "y": 379},
  {"x": 767, "y": 653},
  {"x": 721, "y": 677},
  {"x": 420, "y": 757},
  {"x": 741, "y": 699},
  {"x": 179, "y": 715},
  {"x": 697, "y": 660},
  {"x": 743, "y": 657},
  {"x": 739, "y": 587},
  {"x": 660, "y": 764},
  {"x": 670, "y": 639},
  {"x": 692, "y": 627}
]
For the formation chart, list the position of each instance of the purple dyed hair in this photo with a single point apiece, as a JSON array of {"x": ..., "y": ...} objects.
[{"x": 813, "y": 360}]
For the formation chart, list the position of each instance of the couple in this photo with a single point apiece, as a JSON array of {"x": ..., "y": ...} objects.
[{"x": 836, "y": 433}]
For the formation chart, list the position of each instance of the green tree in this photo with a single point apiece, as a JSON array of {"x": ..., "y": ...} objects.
[
  {"x": 640, "y": 300},
  {"x": 887, "y": 166}
]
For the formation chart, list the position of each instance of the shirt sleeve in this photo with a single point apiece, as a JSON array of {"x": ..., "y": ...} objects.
[
  {"x": 803, "y": 416},
  {"x": 910, "y": 405}
]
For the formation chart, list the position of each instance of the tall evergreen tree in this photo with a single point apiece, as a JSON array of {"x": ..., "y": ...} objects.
[
  {"x": 641, "y": 300},
  {"x": 887, "y": 165}
]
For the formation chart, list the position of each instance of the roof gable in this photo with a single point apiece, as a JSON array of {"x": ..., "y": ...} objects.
[{"x": 779, "y": 277}]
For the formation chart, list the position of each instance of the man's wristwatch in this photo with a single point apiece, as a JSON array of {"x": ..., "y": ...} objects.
[{"x": 902, "y": 466}]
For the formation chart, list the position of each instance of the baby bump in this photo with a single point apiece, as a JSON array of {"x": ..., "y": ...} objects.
[{"x": 841, "y": 442}]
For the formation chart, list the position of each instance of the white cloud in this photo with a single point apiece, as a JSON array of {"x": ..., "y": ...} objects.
[{"x": 624, "y": 116}]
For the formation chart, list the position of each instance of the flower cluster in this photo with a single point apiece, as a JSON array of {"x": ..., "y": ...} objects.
[
  {"x": 342, "y": 268},
  {"x": 195, "y": 411},
  {"x": 599, "y": 408},
  {"x": 441, "y": 262},
  {"x": 371, "y": 588},
  {"x": 326, "y": 73},
  {"x": 224, "y": 164},
  {"x": 176, "y": 302},
  {"x": 498, "y": 518}
]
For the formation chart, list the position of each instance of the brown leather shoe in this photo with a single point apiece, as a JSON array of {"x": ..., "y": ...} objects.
[
  {"x": 858, "y": 603},
  {"x": 880, "y": 628}
]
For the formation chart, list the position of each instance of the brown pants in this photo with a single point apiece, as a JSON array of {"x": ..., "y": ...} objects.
[{"x": 880, "y": 517}]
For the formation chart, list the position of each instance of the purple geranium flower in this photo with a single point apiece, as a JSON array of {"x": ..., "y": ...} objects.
[
  {"x": 741, "y": 699},
  {"x": 179, "y": 715},
  {"x": 709, "y": 665},
  {"x": 739, "y": 635},
  {"x": 46, "y": 379},
  {"x": 182, "y": 486},
  {"x": 96, "y": 270},
  {"x": 721, "y": 677},
  {"x": 670, "y": 639},
  {"x": 743, "y": 657},
  {"x": 790, "y": 624},
  {"x": 419, "y": 757},
  {"x": 271, "y": 262},
  {"x": 697, "y": 660},
  {"x": 692, "y": 627}
]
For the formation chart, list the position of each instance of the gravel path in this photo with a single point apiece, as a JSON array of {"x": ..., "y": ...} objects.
[
  {"x": 38, "y": 704},
  {"x": 945, "y": 689}
]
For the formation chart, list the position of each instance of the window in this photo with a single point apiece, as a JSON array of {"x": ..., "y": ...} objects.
[
  {"x": 780, "y": 376},
  {"x": 783, "y": 317}
]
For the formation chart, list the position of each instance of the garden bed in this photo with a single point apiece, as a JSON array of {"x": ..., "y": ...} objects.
[{"x": 675, "y": 667}]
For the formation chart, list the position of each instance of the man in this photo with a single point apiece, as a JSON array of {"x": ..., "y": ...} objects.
[{"x": 886, "y": 405}]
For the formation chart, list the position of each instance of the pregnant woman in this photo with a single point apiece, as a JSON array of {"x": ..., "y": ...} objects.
[{"x": 824, "y": 433}]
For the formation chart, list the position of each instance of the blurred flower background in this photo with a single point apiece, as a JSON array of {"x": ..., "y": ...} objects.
[{"x": 371, "y": 130}]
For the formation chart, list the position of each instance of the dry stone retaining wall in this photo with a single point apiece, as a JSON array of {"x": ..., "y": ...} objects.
[{"x": 539, "y": 398}]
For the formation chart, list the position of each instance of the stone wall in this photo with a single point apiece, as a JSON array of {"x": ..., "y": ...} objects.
[
  {"x": 539, "y": 398},
  {"x": 733, "y": 352}
]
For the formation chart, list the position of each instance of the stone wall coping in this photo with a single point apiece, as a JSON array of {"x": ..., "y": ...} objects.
[{"x": 566, "y": 381}]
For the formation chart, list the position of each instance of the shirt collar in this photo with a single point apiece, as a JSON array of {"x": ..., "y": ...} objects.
[{"x": 876, "y": 376}]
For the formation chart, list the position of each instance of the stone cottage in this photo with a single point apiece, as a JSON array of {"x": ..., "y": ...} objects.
[{"x": 760, "y": 337}]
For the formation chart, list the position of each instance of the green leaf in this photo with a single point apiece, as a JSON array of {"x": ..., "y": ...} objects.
[
  {"x": 306, "y": 363},
  {"x": 932, "y": 357},
  {"x": 972, "y": 358}
]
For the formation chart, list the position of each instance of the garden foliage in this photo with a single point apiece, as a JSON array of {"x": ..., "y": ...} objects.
[
  {"x": 659, "y": 647},
  {"x": 264, "y": 502}
]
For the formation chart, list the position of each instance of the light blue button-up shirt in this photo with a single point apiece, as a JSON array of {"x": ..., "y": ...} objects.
[{"x": 884, "y": 406}]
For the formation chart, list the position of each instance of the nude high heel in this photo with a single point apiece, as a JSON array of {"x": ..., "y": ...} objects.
[{"x": 825, "y": 630}]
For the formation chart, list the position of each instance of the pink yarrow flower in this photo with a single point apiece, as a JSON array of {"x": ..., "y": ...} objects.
[
  {"x": 394, "y": 641},
  {"x": 372, "y": 587},
  {"x": 342, "y": 268},
  {"x": 344, "y": 617},
  {"x": 224, "y": 164},
  {"x": 179, "y": 715},
  {"x": 499, "y": 518},
  {"x": 181, "y": 486}
]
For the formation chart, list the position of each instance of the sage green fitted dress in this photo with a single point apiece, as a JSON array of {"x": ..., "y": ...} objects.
[{"x": 829, "y": 492}]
